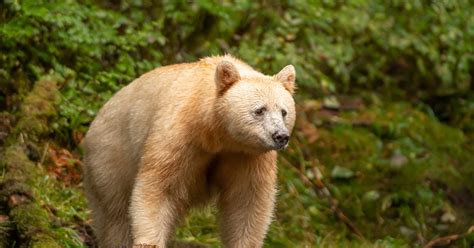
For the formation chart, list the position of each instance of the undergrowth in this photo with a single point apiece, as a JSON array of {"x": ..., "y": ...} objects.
[{"x": 399, "y": 162}]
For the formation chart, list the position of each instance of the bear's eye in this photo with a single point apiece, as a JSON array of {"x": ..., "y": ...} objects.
[
  {"x": 283, "y": 112},
  {"x": 260, "y": 111}
]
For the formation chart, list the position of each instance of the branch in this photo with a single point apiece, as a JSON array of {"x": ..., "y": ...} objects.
[
  {"x": 320, "y": 188},
  {"x": 443, "y": 240}
]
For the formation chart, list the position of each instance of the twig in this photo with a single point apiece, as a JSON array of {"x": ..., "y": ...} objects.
[
  {"x": 43, "y": 156},
  {"x": 443, "y": 240},
  {"x": 320, "y": 188}
]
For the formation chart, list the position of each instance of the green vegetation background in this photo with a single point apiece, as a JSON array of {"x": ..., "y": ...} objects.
[{"x": 385, "y": 111}]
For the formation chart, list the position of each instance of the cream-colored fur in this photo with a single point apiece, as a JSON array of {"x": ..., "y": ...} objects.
[{"x": 181, "y": 135}]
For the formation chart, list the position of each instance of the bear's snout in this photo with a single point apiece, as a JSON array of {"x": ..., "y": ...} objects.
[{"x": 280, "y": 138}]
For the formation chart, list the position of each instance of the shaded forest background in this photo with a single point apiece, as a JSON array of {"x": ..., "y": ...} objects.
[{"x": 382, "y": 154}]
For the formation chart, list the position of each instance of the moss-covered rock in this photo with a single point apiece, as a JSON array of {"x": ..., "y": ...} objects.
[
  {"x": 20, "y": 176},
  {"x": 38, "y": 108},
  {"x": 31, "y": 220}
]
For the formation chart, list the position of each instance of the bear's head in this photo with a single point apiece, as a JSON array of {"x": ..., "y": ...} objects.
[{"x": 257, "y": 111}]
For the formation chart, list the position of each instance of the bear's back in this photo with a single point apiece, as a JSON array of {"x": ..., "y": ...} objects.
[
  {"x": 154, "y": 100},
  {"x": 124, "y": 122}
]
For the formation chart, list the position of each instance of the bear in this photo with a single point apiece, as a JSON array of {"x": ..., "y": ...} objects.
[{"x": 183, "y": 136}]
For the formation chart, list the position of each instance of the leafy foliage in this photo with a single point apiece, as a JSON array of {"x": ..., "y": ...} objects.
[
  {"x": 395, "y": 169},
  {"x": 335, "y": 46},
  {"x": 93, "y": 49}
]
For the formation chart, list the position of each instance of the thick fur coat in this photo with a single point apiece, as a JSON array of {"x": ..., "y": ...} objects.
[{"x": 180, "y": 136}]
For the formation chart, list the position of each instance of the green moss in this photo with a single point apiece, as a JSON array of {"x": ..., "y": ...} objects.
[
  {"x": 200, "y": 227},
  {"x": 347, "y": 146},
  {"x": 44, "y": 241},
  {"x": 100, "y": 46},
  {"x": 5, "y": 229},
  {"x": 38, "y": 107},
  {"x": 31, "y": 220},
  {"x": 23, "y": 178}
]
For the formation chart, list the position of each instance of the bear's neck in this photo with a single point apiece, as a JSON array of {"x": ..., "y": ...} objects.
[{"x": 201, "y": 124}]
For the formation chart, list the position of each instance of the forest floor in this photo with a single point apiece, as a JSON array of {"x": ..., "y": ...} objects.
[
  {"x": 392, "y": 165},
  {"x": 358, "y": 173}
]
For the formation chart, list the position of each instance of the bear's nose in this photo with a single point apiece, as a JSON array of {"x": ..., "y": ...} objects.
[{"x": 280, "y": 138}]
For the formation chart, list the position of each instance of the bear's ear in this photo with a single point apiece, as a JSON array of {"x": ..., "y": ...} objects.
[
  {"x": 287, "y": 77},
  {"x": 226, "y": 76}
]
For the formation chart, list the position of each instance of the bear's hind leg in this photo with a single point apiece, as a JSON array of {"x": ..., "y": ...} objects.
[
  {"x": 109, "y": 211},
  {"x": 110, "y": 223},
  {"x": 116, "y": 230}
]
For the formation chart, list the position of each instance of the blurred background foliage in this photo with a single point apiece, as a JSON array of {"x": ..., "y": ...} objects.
[{"x": 385, "y": 100}]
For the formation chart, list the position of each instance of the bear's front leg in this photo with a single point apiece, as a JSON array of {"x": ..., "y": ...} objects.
[
  {"x": 247, "y": 195},
  {"x": 153, "y": 213},
  {"x": 163, "y": 190}
]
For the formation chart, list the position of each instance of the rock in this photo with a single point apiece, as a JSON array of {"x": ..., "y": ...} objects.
[
  {"x": 341, "y": 173},
  {"x": 448, "y": 217},
  {"x": 372, "y": 195},
  {"x": 407, "y": 232},
  {"x": 398, "y": 160},
  {"x": 331, "y": 102}
]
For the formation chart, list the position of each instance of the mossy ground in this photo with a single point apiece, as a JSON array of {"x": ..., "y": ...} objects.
[
  {"x": 45, "y": 212},
  {"x": 401, "y": 177},
  {"x": 37, "y": 210}
]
